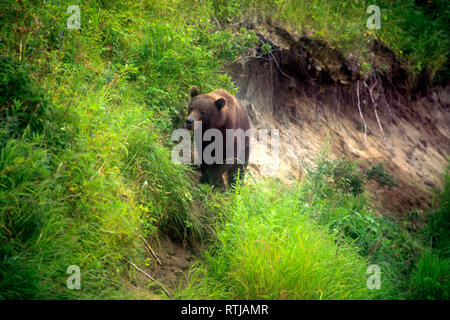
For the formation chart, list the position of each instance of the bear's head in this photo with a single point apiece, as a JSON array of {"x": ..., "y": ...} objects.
[{"x": 207, "y": 108}]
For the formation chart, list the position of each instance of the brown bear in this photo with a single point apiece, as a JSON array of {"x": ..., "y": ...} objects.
[{"x": 220, "y": 110}]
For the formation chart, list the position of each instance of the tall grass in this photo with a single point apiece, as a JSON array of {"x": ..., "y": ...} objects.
[
  {"x": 80, "y": 181},
  {"x": 417, "y": 33},
  {"x": 268, "y": 248},
  {"x": 315, "y": 240},
  {"x": 381, "y": 239},
  {"x": 85, "y": 168},
  {"x": 430, "y": 278}
]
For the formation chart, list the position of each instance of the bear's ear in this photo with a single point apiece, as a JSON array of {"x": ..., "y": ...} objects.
[
  {"x": 193, "y": 92},
  {"x": 220, "y": 103}
]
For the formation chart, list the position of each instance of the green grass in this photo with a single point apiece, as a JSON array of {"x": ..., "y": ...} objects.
[
  {"x": 417, "y": 34},
  {"x": 437, "y": 230},
  {"x": 430, "y": 279},
  {"x": 300, "y": 241},
  {"x": 268, "y": 248},
  {"x": 383, "y": 240},
  {"x": 80, "y": 181}
]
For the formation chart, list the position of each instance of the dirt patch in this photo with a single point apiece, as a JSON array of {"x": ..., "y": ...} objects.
[
  {"x": 311, "y": 94},
  {"x": 175, "y": 260}
]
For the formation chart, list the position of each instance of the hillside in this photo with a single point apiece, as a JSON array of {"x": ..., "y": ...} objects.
[
  {"x": 301, "y": 89},
  {"x": 90, "y": 93}
]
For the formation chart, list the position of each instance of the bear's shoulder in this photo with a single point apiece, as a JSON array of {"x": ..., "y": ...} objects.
[{"x": 231, "y": 101}]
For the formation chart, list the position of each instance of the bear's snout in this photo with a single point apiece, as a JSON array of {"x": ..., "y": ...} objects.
[{"x": 189, "y": 123}]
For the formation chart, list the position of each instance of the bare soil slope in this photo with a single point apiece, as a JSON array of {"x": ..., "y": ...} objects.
[{"x": 311, "y": 94}]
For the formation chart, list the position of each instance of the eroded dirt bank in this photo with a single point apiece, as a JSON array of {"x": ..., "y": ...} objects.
[{"x": 311, "y": 94}]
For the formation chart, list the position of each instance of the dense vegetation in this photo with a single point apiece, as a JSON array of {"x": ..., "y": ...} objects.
[
  {"x": 85, "y": 170},
  {"x": 274, "y": 242}
]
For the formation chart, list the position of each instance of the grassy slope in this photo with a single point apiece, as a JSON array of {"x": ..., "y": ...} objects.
[
  {"x": 270, "y": 248},
  {"x": 304, "y": 242},
  {"x": 72, "y": 188},
  {"x": 72, "y": 191}
]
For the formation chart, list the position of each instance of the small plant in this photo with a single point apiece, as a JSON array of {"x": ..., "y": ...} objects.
[
  {"x": 378, "y": 173},
  {"x": 226, "y": 10},
  {"x": 341, "y": 173},
  {"x": 360, "y": 126},
  {"x": 266, "y": 48}
]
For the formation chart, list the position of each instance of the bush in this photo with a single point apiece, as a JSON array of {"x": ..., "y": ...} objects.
[
  {"x": 340, "y": 173},
  {"x": 378, "y": 173},
  {"x": 226, "y": 10},
  {"x": 22, "y": 102}
]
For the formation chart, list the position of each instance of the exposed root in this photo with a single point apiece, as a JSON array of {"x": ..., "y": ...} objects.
[
  {"x": 360, "y": 113},
  {"x": 375, "y": 108},
  {"x": 149, "y": 248},
  {"x": 151, "y": 278}
]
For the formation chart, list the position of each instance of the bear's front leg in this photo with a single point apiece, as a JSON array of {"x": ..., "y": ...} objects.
[
  {"x": 204, "y": 177},
  {"x": 213, "y": 175}
]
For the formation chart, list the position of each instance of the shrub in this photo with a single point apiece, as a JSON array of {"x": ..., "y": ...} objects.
[
  {"x": 22, "y": 102},
  {"x": 341, "y": 173},
  {"x": 378, "y": 173},
  {"x": 226, "y": 10}
]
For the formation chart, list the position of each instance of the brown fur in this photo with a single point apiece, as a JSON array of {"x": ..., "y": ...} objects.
[{"x": 220, "y": 110}]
